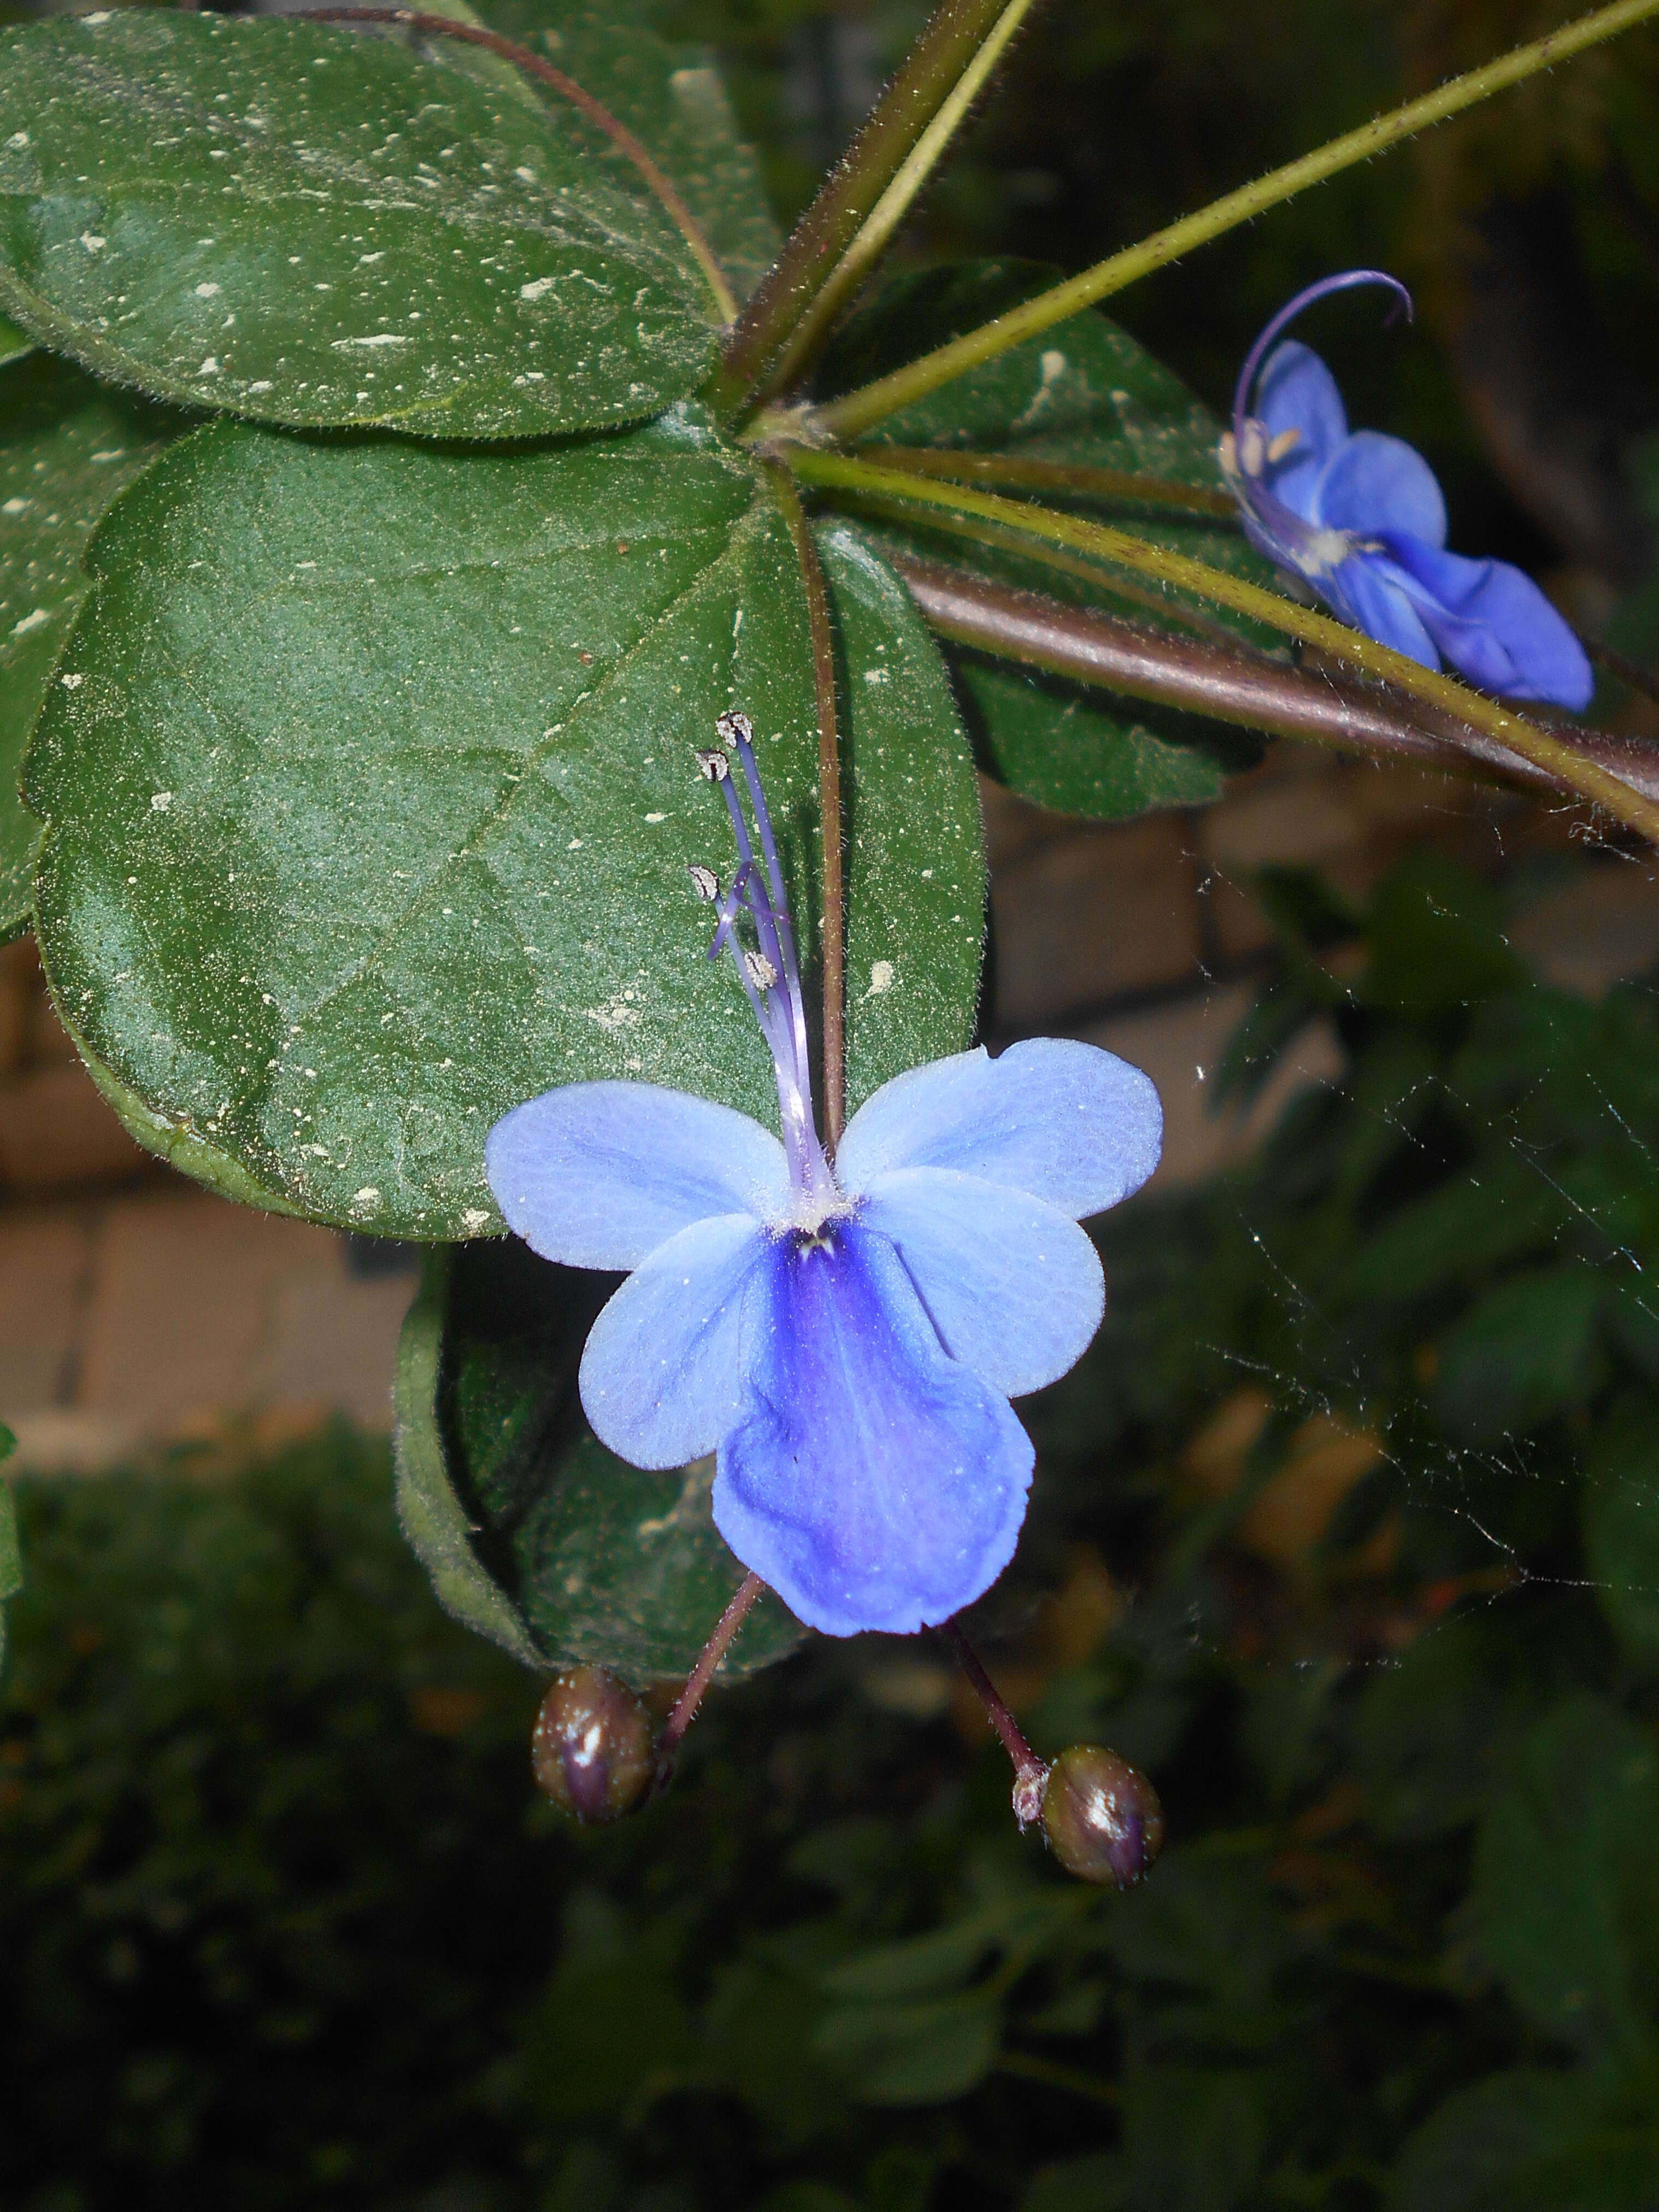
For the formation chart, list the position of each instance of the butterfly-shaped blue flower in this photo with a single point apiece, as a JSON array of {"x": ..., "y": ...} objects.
[
  {"x": 1360, "y": 516},
  {"x": 846, "y": 1339}
]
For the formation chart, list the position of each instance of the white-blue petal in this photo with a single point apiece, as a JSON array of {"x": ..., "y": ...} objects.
[
  {"x": 1065, "y": 1121},
  {"x": 1297, "y": 392},
  {"x": 1373, "y": 483},
  {"x": 662, "y": 1375},
  {"x": 1012, "y": 1286},
  {"x": 872, "y": 1482},
  {"x": 597, "y": 1174}
]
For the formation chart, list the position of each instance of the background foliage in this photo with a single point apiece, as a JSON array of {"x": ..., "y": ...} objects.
[{"x": 1350, "y": 1513}]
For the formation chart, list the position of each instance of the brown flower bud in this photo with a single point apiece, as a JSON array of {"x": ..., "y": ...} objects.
[
  {"x": 593, "y": 1751},
  {"x": 1102, "y": 1818}
]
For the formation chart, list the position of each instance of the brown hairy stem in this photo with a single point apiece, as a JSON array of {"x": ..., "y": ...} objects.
[
  {"x": 1031, "y": 1774},
  {"x": 441, "y": 26},
  {"x": 948, "y": 43},
  {"x": 1231, "y": 683},
  {"x": 685, "y": 1705}
]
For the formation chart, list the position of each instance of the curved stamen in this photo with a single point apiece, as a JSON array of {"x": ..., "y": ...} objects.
[{"x": 1344, "y": 281}]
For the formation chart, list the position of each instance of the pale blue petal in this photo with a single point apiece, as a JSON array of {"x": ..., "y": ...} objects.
[
  {"x": 1012, "y": 1286},
  {"x": 1493, "y": 624},
  {"x": 1360, "y": 588},
  {"x": 662, "y": 1375},
  {"x": 1374, "y": 482},
  {"x": 872, "y": 1482},
  {"x": 597, "y": 1174},
  {"x": 1297, "y": 392},
  {"x": 1064, "y": 1122}
]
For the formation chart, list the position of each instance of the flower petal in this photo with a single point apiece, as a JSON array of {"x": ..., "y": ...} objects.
[
  {"x": 1492, "y": 625},
  {"x": 662, "y": 1374},
  {"x": 872, "y": 1482},
  {"x": 1297, "y": 392},
  {"x": 1012, "y": 1286},
  {"x": 1064, "y": 1122},
  {"x": 1361, "y": 589},
  {"x": 597, "y": 1174},
  {"x": 1373, "y": 483}
]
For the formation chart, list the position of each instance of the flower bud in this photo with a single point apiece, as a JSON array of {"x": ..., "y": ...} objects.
[
  {"x": 1102, "y": 1819},
  {"x": 593, "y": 1751}
]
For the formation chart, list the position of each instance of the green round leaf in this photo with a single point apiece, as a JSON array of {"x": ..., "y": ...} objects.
[
  {"x": 1056, "y": 743},
  {"x": 533, "y": 1533},
  {"x": 314, "y": 226},
  {"x": 371, "y": 801},
  {"x": 69, "y": 447}
]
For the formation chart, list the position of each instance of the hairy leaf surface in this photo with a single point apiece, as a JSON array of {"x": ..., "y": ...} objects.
[
  {"x": 371, "y": 800},
  {"x": 310, "y": 226},
  {"x": 68, "y": 448}
]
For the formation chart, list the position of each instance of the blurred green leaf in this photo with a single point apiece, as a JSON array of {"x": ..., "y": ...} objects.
[
  {"x": 1427, "y": 1730},
  {"x": 309, "y": 226},
  {"x": 1524, "y": 1351},
  {"x": 761, "y": 2023},
  {"x": 1436, "y": 940},
  {"x": 1564, "y": 1895},
  {"x": 1094, "y": 2183},
  {"x": 1476, "y": 2151},
  {"x": 610, "y": 2031},
  {"x": 1084, "y": 393},
  {"x": 1621, "y": 1529},
  {"x": 1193, "y": 2138},
  {"x": 922, "y": 2053},
  {"x": 14, "y": 342},
  {"x": 69, "y": 447},
  {"x": 372, "y": 808},
  {"x": 534, "y": 1533}
]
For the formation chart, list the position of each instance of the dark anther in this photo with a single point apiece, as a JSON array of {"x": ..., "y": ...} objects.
[
  {"x": 1102, "y": 1818},
  {"x": 712, "y": 764},
  {"x": 734, "y": 726},
  {"x": 704, "y": 882},
  {"x": 593, "y": 1751}
]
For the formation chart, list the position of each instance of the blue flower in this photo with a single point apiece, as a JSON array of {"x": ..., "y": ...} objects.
[
  {"x": 846, "y": 1337},
  {"x": 1360, "y": 516}
]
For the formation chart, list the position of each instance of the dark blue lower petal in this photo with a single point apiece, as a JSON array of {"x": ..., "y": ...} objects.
[
  {"x": 869, "y": 1480},
  {"x": 1490, "y": 623}
]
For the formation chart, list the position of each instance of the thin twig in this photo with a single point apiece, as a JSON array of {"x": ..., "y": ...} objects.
[
  {"x": 1031, "y": 1774},
  {"x": 1229, "y": 683},
  {"x": 851, "y": 415},
  {"x": 1558, "y": 755},
  {"x": 1053, "y": 477},
  {"x": 834, "y": 939},
  {"x": 685, "y": 1705},
  {"x": 951, "y": 37},
  {"x": 441, "y": 26}
]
